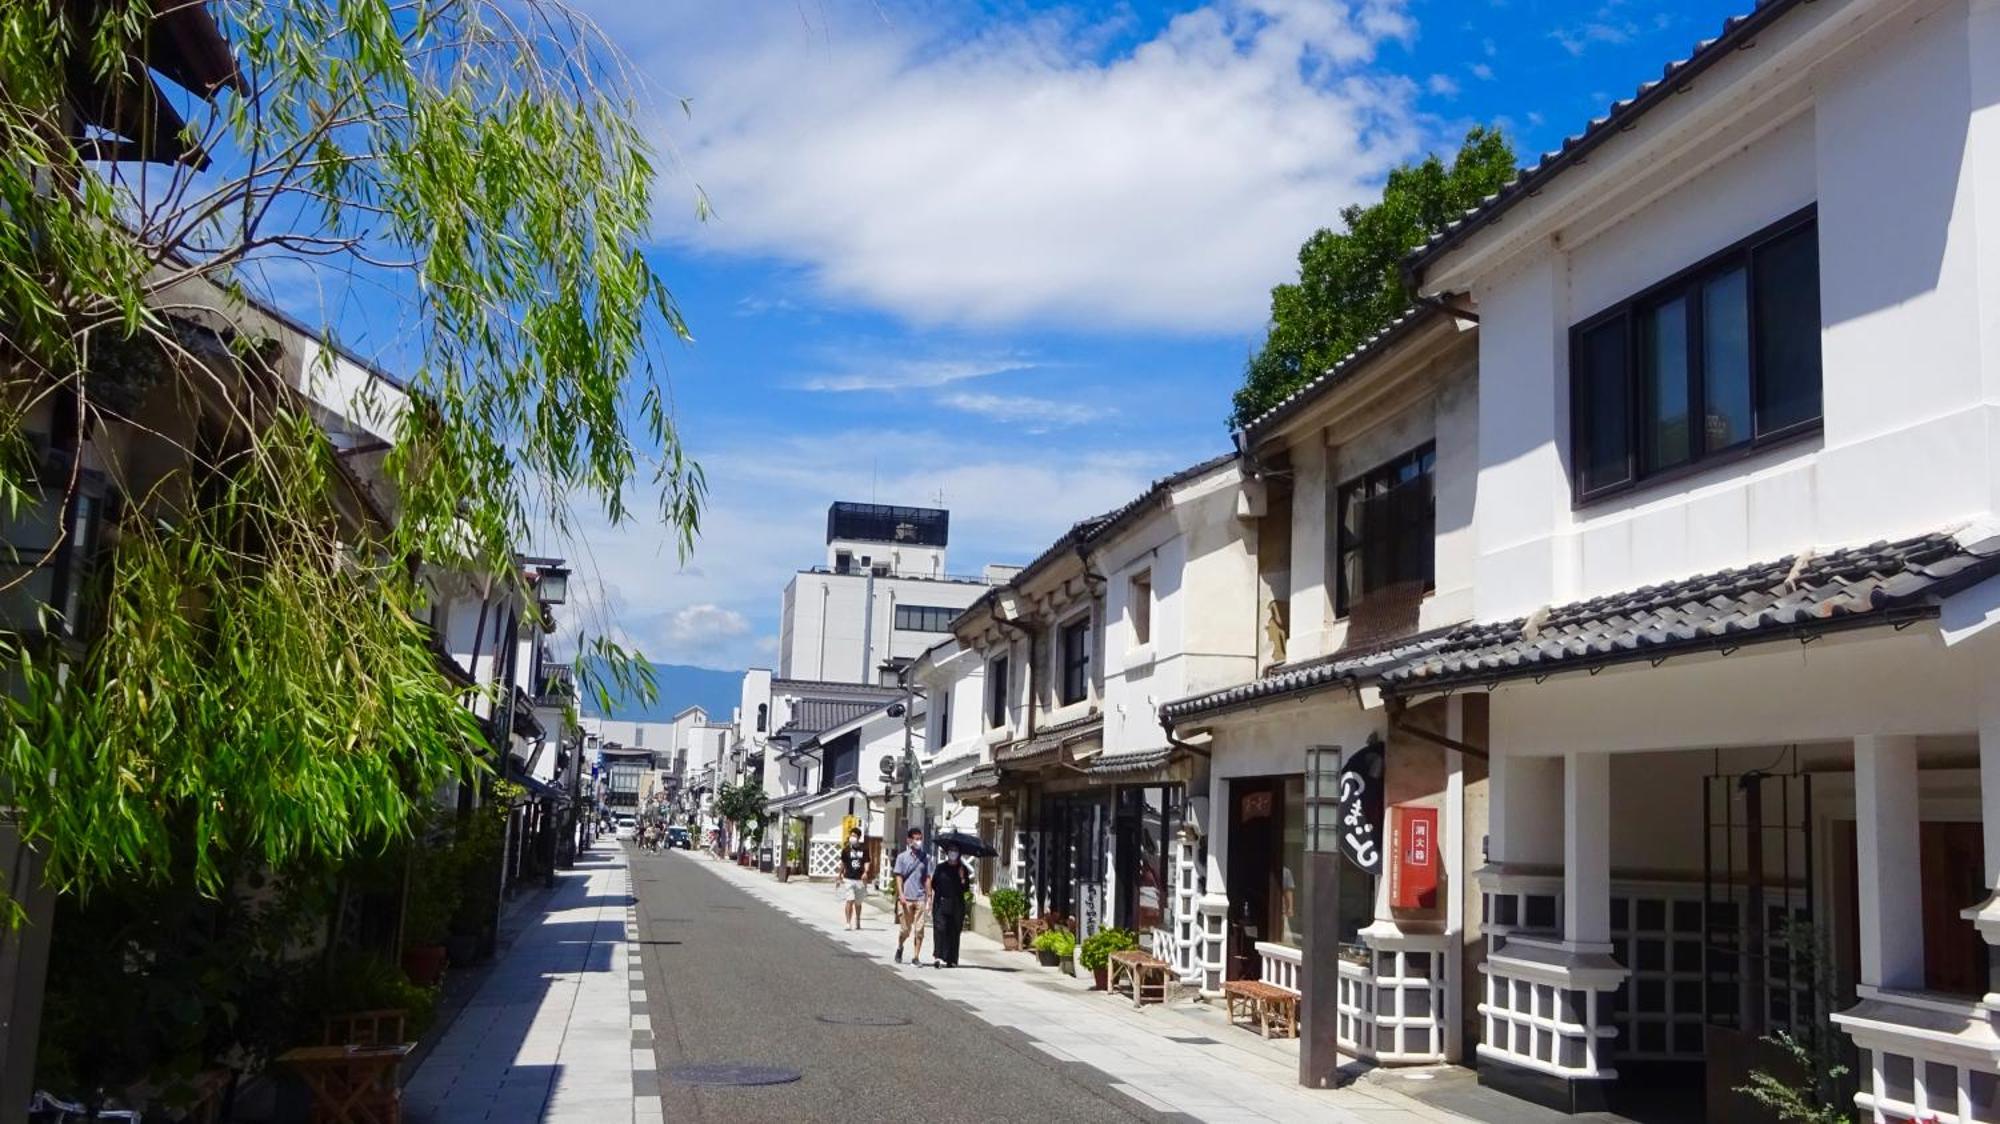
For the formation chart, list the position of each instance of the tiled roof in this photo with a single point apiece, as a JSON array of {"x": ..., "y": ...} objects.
[
  {"x": 1737, "y": 31},
  {"x": 1050, "y": 738},
  {"x": 814, "y": 716},
  {"x": 1122, "y": 764},
  {"x": 1342, "y": 668},
  {"x": 1405, "y": 322},
  {"x": 827, "y": 687},
  {"x": 1884, "y": 583},
  {"x": 1095, "y": 527}
]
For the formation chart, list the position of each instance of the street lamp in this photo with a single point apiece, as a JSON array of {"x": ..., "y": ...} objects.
[{"x": 552, "y": 586}]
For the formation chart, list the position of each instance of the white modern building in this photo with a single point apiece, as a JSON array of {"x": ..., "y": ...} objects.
[{"x": 881, "y": 596}]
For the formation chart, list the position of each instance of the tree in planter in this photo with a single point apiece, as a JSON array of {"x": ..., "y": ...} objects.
[
  {"x": 742, "y": 804},
  {"x": 1095, "y": 952},
  {"x": 477, "y": 165},
  {"x": 1009, "y": 906}
]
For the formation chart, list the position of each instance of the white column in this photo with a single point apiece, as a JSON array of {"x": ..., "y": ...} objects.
[
  {"x": 1587, "y": 849},
  {"x": 1989, "y": 784},
  {"x": 1891, "y": 893},
  {"x": 1452, "y": 847}
]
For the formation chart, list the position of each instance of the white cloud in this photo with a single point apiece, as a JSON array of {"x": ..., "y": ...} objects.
[
  {"x": 1026, "y": 409},
  {"x": 1442, "y": 85},
  {"x": 698, "y": 623},
  {"x": 1482, "y": 72},
  {"x": 1576, "y": 40},
  {"x": 908, "y": 374},
  {"x": 1007, "y": 174}
]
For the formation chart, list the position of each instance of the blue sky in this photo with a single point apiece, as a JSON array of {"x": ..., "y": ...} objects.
[{"x": 1013, "y": 254}]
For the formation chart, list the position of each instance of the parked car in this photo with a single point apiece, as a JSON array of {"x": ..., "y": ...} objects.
[
  {"x": 627, "y": 827},
  {"x": 679, "y": 837}
]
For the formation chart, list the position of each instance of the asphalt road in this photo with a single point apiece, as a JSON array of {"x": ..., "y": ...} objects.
[{"x": 731, "y": 980}]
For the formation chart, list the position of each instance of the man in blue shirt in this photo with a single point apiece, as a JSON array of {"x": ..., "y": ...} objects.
[{"x": 913, "y": 894}]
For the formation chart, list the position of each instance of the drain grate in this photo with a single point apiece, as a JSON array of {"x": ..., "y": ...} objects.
[
  {"x": 731, "y": 1074},
  {"x": 865, "y": 1020}
]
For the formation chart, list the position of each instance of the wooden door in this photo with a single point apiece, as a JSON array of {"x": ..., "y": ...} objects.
[{"x": 1953, "y": 861}]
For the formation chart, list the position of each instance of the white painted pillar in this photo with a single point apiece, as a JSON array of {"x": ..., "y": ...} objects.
[
  {"x": 1587, "y": 849},
  {"x": 1989, "y": 784},
  {"x": 1452, "y": 846},
  {"x": 1886, "y": 837}
]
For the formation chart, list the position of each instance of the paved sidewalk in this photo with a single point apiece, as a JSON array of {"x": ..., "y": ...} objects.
[
  {"x": 1182, "y": 1057},
  {"x": 548, "y": 1036}
]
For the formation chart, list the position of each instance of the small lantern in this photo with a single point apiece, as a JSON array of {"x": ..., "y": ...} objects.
[{"x": 552, "y": 586}]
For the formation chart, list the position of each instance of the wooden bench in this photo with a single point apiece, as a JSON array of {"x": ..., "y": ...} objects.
[
  {"x": 1268, "y": 1008},
  {"x": 1148, "y": 974}
]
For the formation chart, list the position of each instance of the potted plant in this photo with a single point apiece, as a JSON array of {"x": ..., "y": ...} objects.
[
  {"x": 1095, "y": 953},
  {"x": 1055, "y": 947},
  {"x": 1009, "y": 907}
]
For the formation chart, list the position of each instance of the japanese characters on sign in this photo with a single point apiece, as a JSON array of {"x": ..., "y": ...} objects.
[{"x": 1360, "y": 814}]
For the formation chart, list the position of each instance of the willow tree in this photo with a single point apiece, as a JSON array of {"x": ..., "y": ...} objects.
[{"x": 256, "y": 684}]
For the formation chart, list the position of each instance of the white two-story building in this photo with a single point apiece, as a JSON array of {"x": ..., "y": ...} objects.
[{"x": 1734, "y": 549}]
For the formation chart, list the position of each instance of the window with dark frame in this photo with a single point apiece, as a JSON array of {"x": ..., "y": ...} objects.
[
  {"x": 996, "y": 692},
  {"x": 924, "y": 618},
  {"x": 1718, "y": 360},
  {"x": 1385, "y": 528},
  {"x": 49, "y": 551},
  {"x": 1075, "y": 661}
]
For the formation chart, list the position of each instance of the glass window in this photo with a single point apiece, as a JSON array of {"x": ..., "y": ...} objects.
[
  {"x": 996, "y": 691},
  {"x": 1788, "y": 359},
  {"x": 1733, "y": 343},
  {"x": 1663, "y": 375},
  {"x": 1385, "y": 534},
  {"x": 924, "y": 618},
  {"x": 1075, "y": 661},
  {"x": 1603, "y": 402},
  {"x": 1725, "y": 361}
]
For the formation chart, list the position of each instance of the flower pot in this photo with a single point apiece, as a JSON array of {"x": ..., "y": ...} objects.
[
  {"x": 1100, "y": 978},
  {"x": 1068, "y": 965},
  {"x": 1009, "y": 942},
  {"x": 1048, "y": 958},
  {"x": 424, "y": 964}
]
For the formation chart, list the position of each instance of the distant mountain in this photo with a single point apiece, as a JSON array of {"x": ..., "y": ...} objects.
[{"x": 678, "y": 687}]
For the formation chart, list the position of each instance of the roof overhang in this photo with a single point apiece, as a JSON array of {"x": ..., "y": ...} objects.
[{"x": 1752, "y": 79}]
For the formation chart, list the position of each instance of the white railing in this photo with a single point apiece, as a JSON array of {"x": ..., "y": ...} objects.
[
  {"x": 1280, "y": 965},
  {"x": 1928, "y": 1057},
  {"x": 1355, "y": 1021},
  {"x": 1546, "y": 1007},
  {"x": 1187, "y": 923},
  {"x": 1400, "y": 1011},
  {"x": 1214, "y": 943}
]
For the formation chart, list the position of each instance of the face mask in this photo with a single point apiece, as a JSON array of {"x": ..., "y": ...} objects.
[
  {"x": 916, "y": 844},
  {"x": 854, "y": 839}
]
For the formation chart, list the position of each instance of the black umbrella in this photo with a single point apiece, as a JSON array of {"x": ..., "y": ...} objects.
[{"x": 971, "y": 846}]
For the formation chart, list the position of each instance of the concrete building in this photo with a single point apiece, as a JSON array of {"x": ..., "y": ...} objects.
[{"x": 881, "y": 596}]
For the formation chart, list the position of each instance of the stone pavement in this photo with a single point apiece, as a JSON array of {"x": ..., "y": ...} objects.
[
  {"x": 1179, "y": 1058},
  {"x": 548, "y": 1035}
]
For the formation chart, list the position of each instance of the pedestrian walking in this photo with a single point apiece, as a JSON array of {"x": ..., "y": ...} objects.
[
  {"x": 913, "y": 895},
  {"x": 854, "y": 872},
  {"x": 948, "y": 886}
]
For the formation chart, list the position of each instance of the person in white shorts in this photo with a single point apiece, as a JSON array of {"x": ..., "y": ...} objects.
[{"x": 854, "y": 871}]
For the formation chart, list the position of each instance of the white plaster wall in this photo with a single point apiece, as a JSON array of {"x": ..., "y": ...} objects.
[
  {"x": 1204, "y": 611},
  {"x": 1898, "y": 150},
  {"x": 1272, "y": 742},
  {"x": 824, "y": 632}
]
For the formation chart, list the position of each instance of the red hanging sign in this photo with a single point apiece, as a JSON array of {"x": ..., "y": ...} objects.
[{"x": 1413, "y": 840}]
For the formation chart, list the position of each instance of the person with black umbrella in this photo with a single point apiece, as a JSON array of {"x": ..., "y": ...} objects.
[{"x": 949, "y": 883}]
